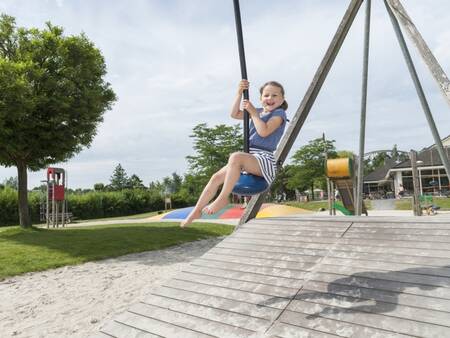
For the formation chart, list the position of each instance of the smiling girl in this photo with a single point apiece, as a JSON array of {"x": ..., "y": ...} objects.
[{"x": 266, "y": 128}]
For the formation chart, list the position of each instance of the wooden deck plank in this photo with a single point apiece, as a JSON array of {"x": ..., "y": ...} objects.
[
  {"x": 305, "y": 236},
  {"x": 268, "y": 255},
  {"x": 392, "y": 237},
  {"x": 238, "y": 285},
  {"x": 302, "y": 266},
  {"x": 119, "y": 330},
  {"x": 372, "y": 264},
  {"x": 295, "y": 222},
  {"x": 291, "y": 331},
  {"x": 290, "y": 255},
  {"x": 297, "y": 231},
  {"x": 398, "y": 243},
  {"x": 317, "y": 295},
  {"x": 163, "y": 328},
  {"x": 331, "y": 326},
  {"x": 238, "y": 295},
  {"x": 218, "y": 302},
  {"x": 342, "y": 248},
  {"x": 349, "y": 278},
  {"x": 210, "y": 313},
  {"x": 321, "y": 243},
  {"x": 378, "y": 281},
  {"x": 394, "y": 258},
  {"x": 314, "y": 249},
  {"x": 247, "y": 276},
  {"x": 370, "y": 319},
  {"x": 378, "y": 295},
  {"x": 192, "y": 322},
  {"x": 261, "y": 270},
  {"x": 407, "y": 275},
  {"x": 403, "y": 225},
  {"x": 445, "y": 233}
]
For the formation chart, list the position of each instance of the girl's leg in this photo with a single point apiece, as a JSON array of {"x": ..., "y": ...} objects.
[
  {"x": 236, "y": 163},
  {"x": 207, "y": 194}
]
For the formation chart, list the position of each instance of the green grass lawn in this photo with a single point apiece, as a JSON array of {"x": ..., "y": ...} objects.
[
  {"x": 313, "y": 205},
  {"x": 406, "y": 204},
  {"x": 41, "y": 249},
  {"x": 137, "y": 216},
  {"x": 316, "y": 205}
]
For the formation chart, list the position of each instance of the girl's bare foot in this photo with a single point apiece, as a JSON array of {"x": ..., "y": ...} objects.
[
  {"x": 216, "y": 206},
  {"x": 191, "y": 217}
]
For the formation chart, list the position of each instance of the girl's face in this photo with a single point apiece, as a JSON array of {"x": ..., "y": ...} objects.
[{"x": 271, "y": 98}]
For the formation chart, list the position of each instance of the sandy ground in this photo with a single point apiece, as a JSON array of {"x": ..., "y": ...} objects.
[{"x": 75, "y": 301}]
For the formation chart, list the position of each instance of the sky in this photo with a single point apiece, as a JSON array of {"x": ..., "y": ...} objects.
[{"x": 174, "y": 64}]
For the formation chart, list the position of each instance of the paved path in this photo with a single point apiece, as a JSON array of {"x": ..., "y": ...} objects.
[
  {"x": 386, "y": 204},
  {"x": 298, "y": 277}
]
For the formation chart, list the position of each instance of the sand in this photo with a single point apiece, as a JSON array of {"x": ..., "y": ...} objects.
[{"x": 75, "y": 301}]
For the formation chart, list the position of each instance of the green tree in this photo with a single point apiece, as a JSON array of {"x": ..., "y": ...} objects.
[
  {"x": 213, "y": 147},
  {"x": 119, "y": 178},
  {"x": 172, "y": 184},
  {"x": 134, "y": 182},
  {"x": 308, "y": 165},
  {"x": 11, "y": 183},
  {"x": 52, "y": 98},
  {"x": 99, "y": 187}
]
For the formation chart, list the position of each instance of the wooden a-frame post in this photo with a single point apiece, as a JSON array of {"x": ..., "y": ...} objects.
[
  {"x": 425, "y": 52},
  {"x": 398, "y": 15},
  {"x": 303, "y": 110}
]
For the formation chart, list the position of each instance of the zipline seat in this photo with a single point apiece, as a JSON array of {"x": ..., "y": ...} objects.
[{"x": 249, "y": 185}]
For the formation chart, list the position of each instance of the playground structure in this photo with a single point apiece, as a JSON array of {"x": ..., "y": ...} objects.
[
  {"x": 54, "y": 209},
  {"x": 341, "y": 177},
  {"x": 314, "y": 277},
  {"x": 399, "y": 17}
]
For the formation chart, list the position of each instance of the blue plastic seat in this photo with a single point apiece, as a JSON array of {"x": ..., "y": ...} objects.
[{"x": 249, "y": 185}]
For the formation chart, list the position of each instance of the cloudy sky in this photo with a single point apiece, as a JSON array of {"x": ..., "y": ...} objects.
[{"x": 174, "y": 64}]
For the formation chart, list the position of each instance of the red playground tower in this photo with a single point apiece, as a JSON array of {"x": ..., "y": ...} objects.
[{"x": 56, "y": 183}]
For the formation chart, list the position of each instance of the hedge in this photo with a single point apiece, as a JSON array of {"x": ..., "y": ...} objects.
[{"x": 91, "y": 205}]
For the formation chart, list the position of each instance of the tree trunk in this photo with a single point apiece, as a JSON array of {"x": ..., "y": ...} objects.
[
  {"x": 312, "y": 191},
  {"x": 24, "y": 214}
]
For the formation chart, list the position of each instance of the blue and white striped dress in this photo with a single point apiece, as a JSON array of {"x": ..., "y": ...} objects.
[
  {"x": 263, "y": 147},
  {"x": 266, "y": 162}
]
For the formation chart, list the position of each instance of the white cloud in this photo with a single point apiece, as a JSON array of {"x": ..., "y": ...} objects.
[{"x": 174, "y": 64}]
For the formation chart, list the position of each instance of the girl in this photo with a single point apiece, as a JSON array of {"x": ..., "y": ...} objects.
[{"x": 266, "y": 128}]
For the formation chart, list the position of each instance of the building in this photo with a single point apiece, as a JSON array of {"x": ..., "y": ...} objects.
[{"x": 387, "y": 180}]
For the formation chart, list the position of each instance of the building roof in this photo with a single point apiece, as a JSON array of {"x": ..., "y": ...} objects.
[
  {"x": 381, "y": 173},
  {"x": 429, "y": 157}
]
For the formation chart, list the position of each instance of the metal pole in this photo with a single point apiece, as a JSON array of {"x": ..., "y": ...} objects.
[
  {"x": 308, "y": 100},
  {"x": 47, "y": 206},
  {"x": 427, "y": 56},
  {"x": 237, "y": 17},
  {"x": 325, "y": 155},
  {"x": 420, "y": 93},
  {"x": 415, "y": 200},
  {"x": 362, "y": 126}
]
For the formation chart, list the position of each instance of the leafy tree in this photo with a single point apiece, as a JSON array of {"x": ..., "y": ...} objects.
[
  {"x": 99, "y": 187},
  {"x": 156, "y": 188},
  {"x": 308, "y": 165},
  {"x": 11, "y": 182},
  {"x": 52, "y": 98},
  {"x": 134, "y": 182},
  {"x": 172, "y": 184},
  {"x": 119, "y": 178},
  {"x": 345, "y": 154},
  {"x": 213, "y": 147}
]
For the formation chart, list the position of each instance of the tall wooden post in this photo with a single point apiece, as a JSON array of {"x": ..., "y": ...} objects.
[{"x": 415, "y": 174}]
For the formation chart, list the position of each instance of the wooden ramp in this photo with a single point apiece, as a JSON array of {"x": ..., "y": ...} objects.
[{"x": 292, "y": 277}]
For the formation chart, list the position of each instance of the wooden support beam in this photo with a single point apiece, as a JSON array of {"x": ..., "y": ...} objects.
[
  {"x": 428, "y": 57},
  {"x": 300, "y": 116}
]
